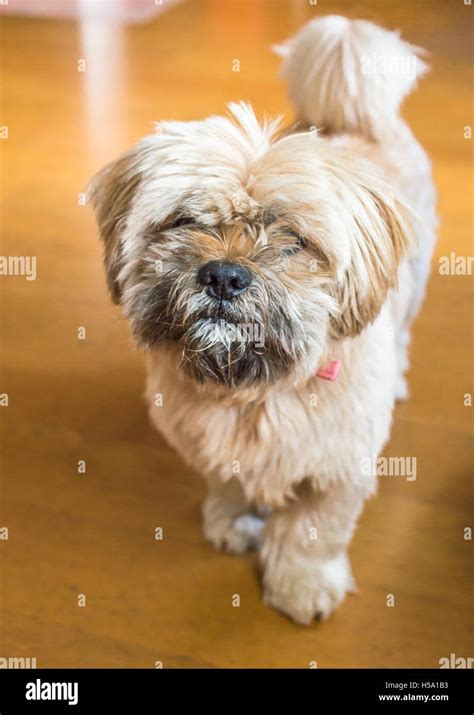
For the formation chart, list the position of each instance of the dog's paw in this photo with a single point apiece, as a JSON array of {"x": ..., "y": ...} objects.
[
  {"x": 401, "y": 388},
  {"x": 234, "y": 535},
  {"x": 308, "y": 589}
]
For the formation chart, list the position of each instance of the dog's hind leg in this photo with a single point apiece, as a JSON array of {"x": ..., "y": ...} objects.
[{"x": 230, "y": 522}]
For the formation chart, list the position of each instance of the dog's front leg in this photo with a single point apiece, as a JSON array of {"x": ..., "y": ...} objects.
[
  {"x": 230, "y": 523},
  {"x": 304, "y": 552}
]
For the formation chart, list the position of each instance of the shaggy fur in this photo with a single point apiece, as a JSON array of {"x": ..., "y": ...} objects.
[{"x": 328, "y": 226}]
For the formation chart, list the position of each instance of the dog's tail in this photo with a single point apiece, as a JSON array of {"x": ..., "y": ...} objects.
[{"x": 349, "y": 75}]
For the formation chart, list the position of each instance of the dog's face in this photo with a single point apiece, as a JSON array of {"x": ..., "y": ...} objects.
[{"x": 245, "y": 251}]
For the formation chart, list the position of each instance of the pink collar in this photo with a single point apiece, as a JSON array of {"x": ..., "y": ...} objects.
[{"x": 330, "y": 371}]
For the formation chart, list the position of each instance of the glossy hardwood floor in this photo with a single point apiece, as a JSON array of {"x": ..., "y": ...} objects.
[{"x": 72, "y": 399}]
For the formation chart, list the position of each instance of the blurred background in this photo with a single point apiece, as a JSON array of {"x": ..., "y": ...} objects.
[{"x": 85, "y": 479}]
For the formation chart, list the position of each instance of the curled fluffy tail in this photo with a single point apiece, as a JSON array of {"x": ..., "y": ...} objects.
[{"x": 349, "y": 75}]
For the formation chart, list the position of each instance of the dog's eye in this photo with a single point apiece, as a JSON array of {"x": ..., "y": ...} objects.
[
  {"x": 298, "y": 243},
  {"x": 179, "y": 221},
  {"x": 175, "y": 221},
  {"x": 155, "y": 232}
]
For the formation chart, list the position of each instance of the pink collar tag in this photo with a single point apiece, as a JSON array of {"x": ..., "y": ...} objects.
[{"x": 330, "y": 371}]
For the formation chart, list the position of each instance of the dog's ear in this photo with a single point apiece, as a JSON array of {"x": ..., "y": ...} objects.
[
  {"x": 379, "y": 234},
  {"x": 111, "y": 193}
]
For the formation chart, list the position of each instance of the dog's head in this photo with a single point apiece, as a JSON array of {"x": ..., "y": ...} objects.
[{"x": 246, "y": 249}]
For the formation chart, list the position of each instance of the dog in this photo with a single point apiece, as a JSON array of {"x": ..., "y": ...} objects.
[{"x": 272, "y": 275}]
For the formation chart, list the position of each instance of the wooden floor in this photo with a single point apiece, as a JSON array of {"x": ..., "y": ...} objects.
[{"x": 71, "y": 399}]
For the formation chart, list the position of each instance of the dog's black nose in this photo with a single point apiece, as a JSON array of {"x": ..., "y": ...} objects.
[{"x": 224, "y": 280}]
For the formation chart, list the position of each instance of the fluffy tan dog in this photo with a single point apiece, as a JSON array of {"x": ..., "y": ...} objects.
[{"x": 254, "y": 262}]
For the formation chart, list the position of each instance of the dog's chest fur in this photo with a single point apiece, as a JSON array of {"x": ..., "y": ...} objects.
[{"x": 319, "y": 430}]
